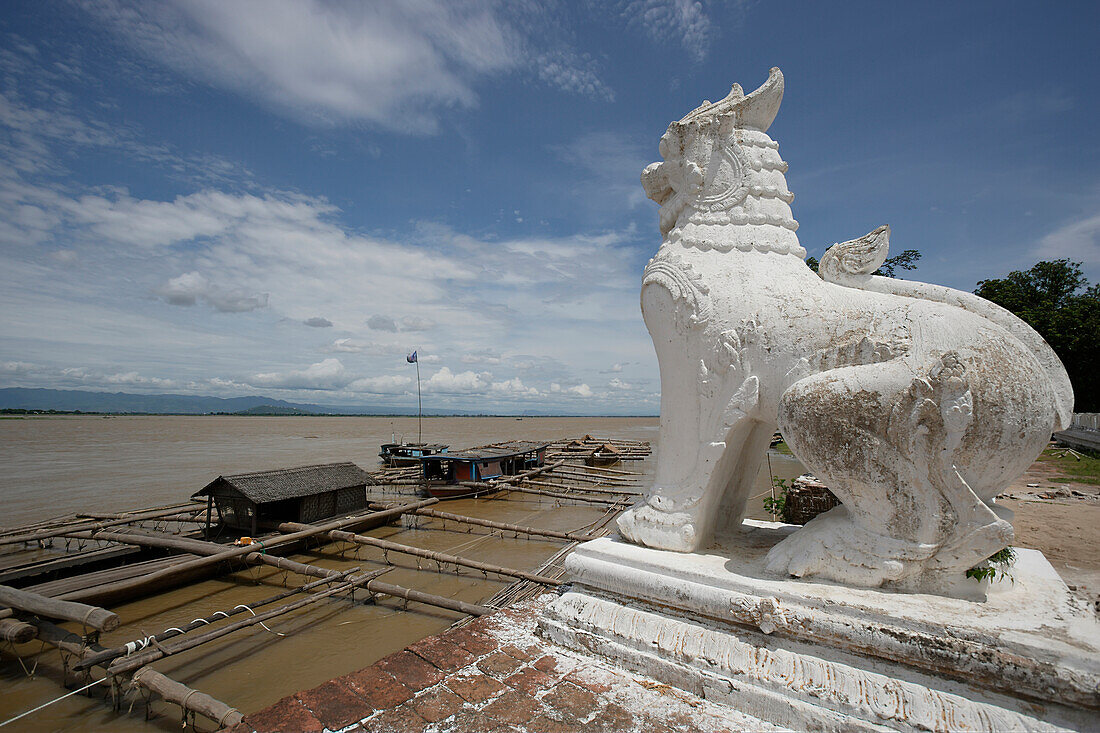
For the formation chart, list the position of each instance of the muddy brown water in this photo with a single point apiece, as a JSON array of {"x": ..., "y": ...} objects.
[{"x": 57, "y": 465}]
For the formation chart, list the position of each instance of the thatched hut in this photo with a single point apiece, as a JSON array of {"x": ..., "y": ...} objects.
[{"x": 301, "y": 494}]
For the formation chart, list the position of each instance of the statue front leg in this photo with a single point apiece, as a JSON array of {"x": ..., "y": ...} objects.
[{"x": 707, "y": 426}]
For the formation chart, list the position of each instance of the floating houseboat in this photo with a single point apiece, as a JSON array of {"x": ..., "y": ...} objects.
[
  {"x": 444, "y": 473},
  {"x": 605, "y": 455},
  {"x": 408, "y": 454},
  {"x": 300, "y": 494}
]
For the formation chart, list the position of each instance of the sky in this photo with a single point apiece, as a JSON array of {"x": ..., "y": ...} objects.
[{"x": 286, "y": 197}]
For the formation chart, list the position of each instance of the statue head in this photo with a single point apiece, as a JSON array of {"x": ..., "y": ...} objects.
[{"x": 721, "y": 185}]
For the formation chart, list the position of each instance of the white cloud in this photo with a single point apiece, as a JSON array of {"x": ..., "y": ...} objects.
[
  {"x": 241, "y": 252},
  {"x": 381, "y": 323},
  {"x": 445, "y": 381},
  {"x": 617, "y": 383},
  {"x": 389, "y": 384},
  {"x": 348, "y": 345},
  {"x": 16, "y": 368},
  {"x": 581, "y": 389},
  {"x": 1078, "y": 241},
  {"x": 396, "y": 65},
  {"x": 417, "y": 323},
  {"x": 482, "y": 356},
  {"x": 327, "y": 374},
  {"x": 683, "y": 20},
  {"x": 402, "y": 66},
  {"x": 572, "y": 72},
  {"x": 191, "y": 287},
  {"x": 515, "y": 387}
]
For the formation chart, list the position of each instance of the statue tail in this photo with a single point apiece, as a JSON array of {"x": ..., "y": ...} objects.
[{"x": 851, "y": 263}]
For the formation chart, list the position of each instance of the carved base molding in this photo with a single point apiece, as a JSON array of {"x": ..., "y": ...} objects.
[{"x": 818, "y": 656}]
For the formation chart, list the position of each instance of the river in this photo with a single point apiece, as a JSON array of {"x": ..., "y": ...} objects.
[{"x": 57, "y": 465}]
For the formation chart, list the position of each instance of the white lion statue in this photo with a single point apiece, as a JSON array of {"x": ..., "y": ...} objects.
[{"x": 916, "y": 404}]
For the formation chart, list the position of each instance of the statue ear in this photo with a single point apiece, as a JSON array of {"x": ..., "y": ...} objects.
[{"x": 723, "y": 178}]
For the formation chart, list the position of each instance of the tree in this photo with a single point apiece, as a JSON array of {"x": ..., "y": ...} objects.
[
  {"x": 907, "y": 260},
  {"x": 1057, "y": 301}
]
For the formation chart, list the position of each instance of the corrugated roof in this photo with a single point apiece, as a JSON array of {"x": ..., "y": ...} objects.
[
  {"x": 495, "y": 451},
  {"x": 290, "y": 483}
]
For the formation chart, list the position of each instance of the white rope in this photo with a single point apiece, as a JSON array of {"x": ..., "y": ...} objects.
[
  {"x": 138, "y": 645},
  {"x": 51, "y": 702},
  {"x": 277, "y": 633}
]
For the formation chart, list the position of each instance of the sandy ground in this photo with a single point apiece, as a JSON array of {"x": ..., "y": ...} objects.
[{"x": 1062, "y": 519}]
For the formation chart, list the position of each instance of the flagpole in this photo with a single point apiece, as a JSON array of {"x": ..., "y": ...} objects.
[{"x": 419, "y": 408}]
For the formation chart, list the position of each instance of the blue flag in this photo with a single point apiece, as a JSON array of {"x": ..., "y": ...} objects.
[{"x": 411, "y": 358}]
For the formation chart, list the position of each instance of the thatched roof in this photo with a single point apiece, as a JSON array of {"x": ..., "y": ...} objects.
[
  {"x": 290, "y": 483},
  {"x": 495, "y": 451}
]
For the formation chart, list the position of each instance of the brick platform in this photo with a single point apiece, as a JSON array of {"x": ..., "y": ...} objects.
[{"x": 495, "y": 674}]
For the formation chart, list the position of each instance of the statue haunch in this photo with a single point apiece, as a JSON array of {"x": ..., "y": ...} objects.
[{"x": 916, "y": 404}]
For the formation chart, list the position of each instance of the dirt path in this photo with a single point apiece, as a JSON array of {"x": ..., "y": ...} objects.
[{"x": 1061, "y": 518}]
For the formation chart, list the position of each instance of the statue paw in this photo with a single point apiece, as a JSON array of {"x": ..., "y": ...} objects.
[
  {"x": 652, "y": 527},
  {"x": 833, "y": 547}
]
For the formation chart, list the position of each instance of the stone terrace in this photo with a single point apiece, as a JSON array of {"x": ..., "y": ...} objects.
[{"x": 495, "y": 674}]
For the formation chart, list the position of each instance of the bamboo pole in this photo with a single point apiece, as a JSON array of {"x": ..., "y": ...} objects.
[
  {"x": 181, "y": 695},
  {"x": 91, "y": 525},
  {"x": 27, "y": 602},
  {"x": 107, "y": 655},
  {"x": 374, "y": 586},
  {"x": 223, "y": 555},
  {"x": 526, "y": 474},
  {"x": 17, "y": 632},
  {"x": 148, "y": 656},
  {"x": 616, "y": 472},
  {"x": 187, "y": 698},
  {"x": 439, "y": 557},
  {"x": 534, "y": 531},
  {"x": 259, "y": 558},
  {"x": 472, "y": 609},
  {"x": 580, "y": 474},
  {"x": 63, "y": 639},
  {"x": 589, "y": 489},
  {"x": 540, "y": 492}
]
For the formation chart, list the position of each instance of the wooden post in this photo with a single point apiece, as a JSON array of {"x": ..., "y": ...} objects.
[
  {"x": 60, "y": 530},
  {"x": 107, "y": 655},
  {"x": 179, "y": 694},
  {"x": 440, "y": 557},
  {"x": 93, "y": 616},
  {"x": 187, "y": 698},
  {"x": 17, "y": 632},
  {"x": 533, "y": 531},
  {"x": 221, "y": 554},
  {"x": 122, "y": 666}
]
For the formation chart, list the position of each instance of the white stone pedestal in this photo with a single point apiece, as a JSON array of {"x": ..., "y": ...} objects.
[{"x": 813, "y": 655}]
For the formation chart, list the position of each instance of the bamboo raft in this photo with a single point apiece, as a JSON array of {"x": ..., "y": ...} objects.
[{"x": 72, "y": 569}]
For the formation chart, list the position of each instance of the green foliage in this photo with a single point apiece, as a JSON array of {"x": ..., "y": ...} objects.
[
  {"x": 993, "y": 567},
  {"x": 907, "y": 260},
  {"x": 1081, "y": 466},
  {"x": 775, "y": 506},
  {"x": 1055, "y": 299}
]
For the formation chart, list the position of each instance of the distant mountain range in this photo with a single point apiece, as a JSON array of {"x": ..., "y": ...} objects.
[{"x": 69, "y": 400}]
